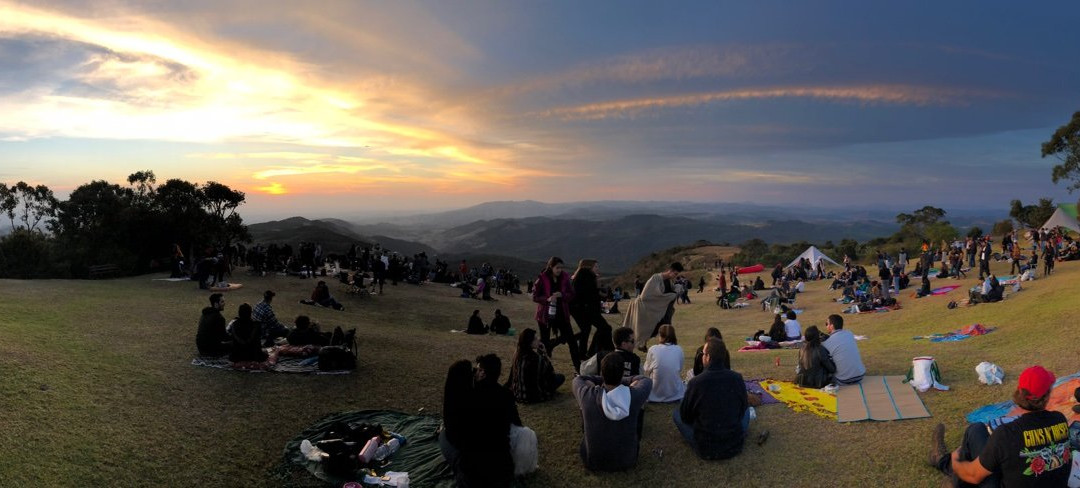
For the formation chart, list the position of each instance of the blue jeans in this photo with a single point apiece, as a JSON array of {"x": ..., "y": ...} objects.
[{"x": 687, "y": 430}]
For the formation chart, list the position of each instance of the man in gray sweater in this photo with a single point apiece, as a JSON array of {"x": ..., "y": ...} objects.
[{"x": 610, "y": 407}]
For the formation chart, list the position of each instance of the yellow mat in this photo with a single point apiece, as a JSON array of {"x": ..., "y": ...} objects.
[{"x": 802, "y": 399}]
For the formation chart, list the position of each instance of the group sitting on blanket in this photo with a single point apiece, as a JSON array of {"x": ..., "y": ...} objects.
[
  {"x": 990, "y": 291},
  {"x": 482, "y": 438}
]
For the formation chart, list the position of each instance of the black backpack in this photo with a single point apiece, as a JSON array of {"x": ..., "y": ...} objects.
[{"x": 341, "y": 353}]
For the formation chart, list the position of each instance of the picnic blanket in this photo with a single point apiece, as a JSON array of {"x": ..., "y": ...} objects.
[
  {"x": 232, "y": 286},
  {"x": 171, "y": 279},
  {"x": 943, "y": 290},
  {"x": 765, "y": 346},
  {"x": 802, "y": 399},
  {"x": 754, "y": 386},
  {"x": 876, "y": 309},
  {"x": 958, "y": 334},
  {"x": 279, "y": 363},
  {"x": 419, "y": 456},
  {"x": 879, "y": 398},
  {"x": 1061, "y": 400}
]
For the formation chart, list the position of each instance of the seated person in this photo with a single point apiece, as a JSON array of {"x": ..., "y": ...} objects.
[
  {"x": 816, "y": 367},
  {"x": 905, "y": 280},
  {"x": 699, "y": 364},
  {"x": 500, "y": 324},
  {"x": 792, "y": 327},
  {"x": 476, "y": 325},
  {"x": 623, "y": 338},
  {"x": 748, "y": 293},
  {"x": 778, "y": 330},
  {"x": 307, "y": 334},
  {"x": 263, "y": 313},
  {"x": 1032, "y": 450},
  {"x": 321, "y": 296},
  {"x": 212, "y": 339},
  {"x": 800, "y": 286},
  {"x": 714, "y": 415},
  {"x": 844, "y": 352},
  {"x": 610, "y": 407},
  {"x": 924, "y": 289},
  {"x": 944, "y": 273},
  {"x": 663, "y": 365},
  {"x": 246, "y": 338},
  {"x": 759, "y": 284},
  {"x": 532, "y": 378}
]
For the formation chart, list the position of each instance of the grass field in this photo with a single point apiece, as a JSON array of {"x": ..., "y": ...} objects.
[{"x": 96, "y": 386}]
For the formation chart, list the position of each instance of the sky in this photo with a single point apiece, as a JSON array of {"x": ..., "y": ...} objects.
[{"x": 331, "y": 108}]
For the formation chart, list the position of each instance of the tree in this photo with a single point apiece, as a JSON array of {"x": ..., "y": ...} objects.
[
  {"x": 916, "y": 225},
  {"x": 1064, "y": 144},
  {"x": 975, "y": 232},
  {"x": 848, "y": 247},
  {"x": 1003, "y": 227},
  {"x": 1032, "y": 216},
  {"x": 37, "y": 203},
  {"x": 221, "y": 203},
  {"x": 8, "y": 203}
]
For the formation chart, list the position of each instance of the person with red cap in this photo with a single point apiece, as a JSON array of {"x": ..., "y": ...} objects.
[{"x": 1031, "y": 450}]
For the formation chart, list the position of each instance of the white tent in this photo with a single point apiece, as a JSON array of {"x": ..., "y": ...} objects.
[
  {"x": 1060, "y": 218},
  {"x": 814, "y": 255}
]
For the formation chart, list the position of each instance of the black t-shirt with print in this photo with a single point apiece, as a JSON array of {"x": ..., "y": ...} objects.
[{"x": 1031, "y": 451}]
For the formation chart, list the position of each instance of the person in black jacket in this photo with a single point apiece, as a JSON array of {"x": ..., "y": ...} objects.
[
  {"x": 246, "y": 337},
  {"x": 307, "y": 333},
  {"x": 500, "y": 324},
  {"x": 586, "y": 310},
  {"x": 212, "y": 339},
  {"x": 816, "y": 367},
  {"x": 714, "y": 415},
  {"x": 476, "y": 324}
]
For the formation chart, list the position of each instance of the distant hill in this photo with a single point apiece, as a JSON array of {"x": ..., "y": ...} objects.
[{"x": 335, "y": 236}]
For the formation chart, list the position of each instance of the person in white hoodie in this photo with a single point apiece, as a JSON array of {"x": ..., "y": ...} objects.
[
  {"x": 610, "y": 408},
  {"x": 663, "y": 364}
]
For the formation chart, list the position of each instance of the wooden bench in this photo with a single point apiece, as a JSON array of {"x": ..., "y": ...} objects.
[{"x": 102, "y": 270}]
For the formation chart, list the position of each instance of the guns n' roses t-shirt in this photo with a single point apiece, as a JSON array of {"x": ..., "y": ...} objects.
[{"x": 1031, "y": 451}]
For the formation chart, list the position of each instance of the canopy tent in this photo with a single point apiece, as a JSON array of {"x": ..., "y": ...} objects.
[
  {"x": 1061, "y": 218},
  {"x": 814, "y": 255}
]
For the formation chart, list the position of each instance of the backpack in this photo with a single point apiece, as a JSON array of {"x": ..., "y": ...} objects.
[{"x": 336, "y": 358}]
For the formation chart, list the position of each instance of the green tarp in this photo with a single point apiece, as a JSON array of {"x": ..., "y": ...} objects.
[{"x": 420, "y": 456}]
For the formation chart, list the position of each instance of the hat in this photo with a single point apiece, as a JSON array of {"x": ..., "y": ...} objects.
[
  {"x": 269, "y": 294},
  {"x": 1037, "y": 381}
]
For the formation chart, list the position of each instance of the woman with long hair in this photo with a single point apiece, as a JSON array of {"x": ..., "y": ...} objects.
[
  {"x": 816, "y": 368},
  {"x": 776, "y": 331},
  {"x": 246, "y": 337},
  {"x": 699, "y": 362},
  {"x": 532, "y": 378},
  {"x": 553, "y": 293},
  {"x": 586, "y": 309},
  {"x": 663, "y": 364}
]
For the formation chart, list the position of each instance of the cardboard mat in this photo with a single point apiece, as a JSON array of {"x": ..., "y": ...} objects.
[{"x": 879, "y": 398}]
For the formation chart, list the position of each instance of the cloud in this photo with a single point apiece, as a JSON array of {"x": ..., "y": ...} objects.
[{"x": 866, "y": 94}]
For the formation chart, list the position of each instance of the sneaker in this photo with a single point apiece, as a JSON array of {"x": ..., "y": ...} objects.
[{"x": 937, "y": 445}]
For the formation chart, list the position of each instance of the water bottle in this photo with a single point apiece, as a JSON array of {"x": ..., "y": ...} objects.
[
  {"x": 387, "y": 449},
  {"x": 552, "y": 307}
]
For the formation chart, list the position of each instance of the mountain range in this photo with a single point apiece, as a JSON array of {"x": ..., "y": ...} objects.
[{"x": 617, "y": 233}]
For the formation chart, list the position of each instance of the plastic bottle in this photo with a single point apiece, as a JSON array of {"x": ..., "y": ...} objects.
[
  {"x": 384, "y": 451},
  {"x": 552, "y": 307}
]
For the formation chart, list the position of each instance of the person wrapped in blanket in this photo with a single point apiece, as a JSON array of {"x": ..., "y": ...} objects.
[
  {"x": 482, "y": 438},
  {"x": 1031, "y": 450},
  {"x": 532, "y": 378}
]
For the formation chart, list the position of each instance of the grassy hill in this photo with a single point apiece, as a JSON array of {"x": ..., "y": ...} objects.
[
  {"x": 97, "y": 388},
  {"x": 698, "y": 259}
]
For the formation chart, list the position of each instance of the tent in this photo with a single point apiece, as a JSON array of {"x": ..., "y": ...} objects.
[
  {"x": 1061, "y": 218},
  {"x": 814, "y": 255}
]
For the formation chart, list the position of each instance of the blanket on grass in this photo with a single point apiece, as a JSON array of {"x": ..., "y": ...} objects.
[
  {"x": 1061, "y": 400},
  {"x": 943, "y": 290},
  {"x": 802, "y": 399},
  {"x": 879, "y": 398},
  {"x": 768, "y": 346},
  {"x": 171, "y": 279},
  {"x": 958, "y": 334},
  {"x": 419, "y": 456},
  {"x": 875, "y": 309},
  {"x": 283, "y": 359},
  {"x": 754, "y": 386}
]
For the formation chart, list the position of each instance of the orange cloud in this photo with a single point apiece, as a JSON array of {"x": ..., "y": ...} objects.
[{"x": 868, "y": 94}]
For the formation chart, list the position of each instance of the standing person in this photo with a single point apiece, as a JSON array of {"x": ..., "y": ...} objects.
[
  {"x": 844, "y": 352},
  {"x": 610, "y": 407},
  {"x": 984, "y": 259},
  {"x": 1032, "y": 450},
  {"x": 902, "y": 259},
  {"x": 553, "y": 294},
  {"x": 212, "y": 339},
  {"x": 1014, "y": 258},
  {"x": 701, "y": 284},
  {"x": 586, "y": 308},
  {"x": 532, "y": 379},
  {"x": 1048, "y": 260},
  {"x": 663, "y": 365},
  {"x": 654, "y": 306},
  {"x": 714, "y": 415}
]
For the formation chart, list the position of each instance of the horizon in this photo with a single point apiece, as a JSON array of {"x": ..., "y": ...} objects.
[{"x": 419, "y": 107}]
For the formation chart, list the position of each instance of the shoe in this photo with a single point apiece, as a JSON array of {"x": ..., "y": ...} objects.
[
  {"x": 762, "y": 437},
  {"x": 937, "y": 445}
]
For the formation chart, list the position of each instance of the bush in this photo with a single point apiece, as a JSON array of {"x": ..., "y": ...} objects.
[{"x": 25, "y": 254}]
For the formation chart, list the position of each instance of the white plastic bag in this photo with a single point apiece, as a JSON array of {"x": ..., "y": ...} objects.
[{"x": 990, "y": 373}]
